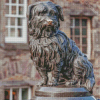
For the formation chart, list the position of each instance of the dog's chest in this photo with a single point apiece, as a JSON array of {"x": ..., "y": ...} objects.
[
  {"x": 48, "y": 51},
  {"x": 55, "y": 40}
]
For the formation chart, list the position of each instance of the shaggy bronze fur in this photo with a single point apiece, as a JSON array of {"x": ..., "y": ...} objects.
[{"x": 52, "y": 51}]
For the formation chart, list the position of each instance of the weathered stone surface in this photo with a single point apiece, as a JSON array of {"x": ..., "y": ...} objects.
[
  {"x": 18, "y": 64},
  {"x": 2, "y": 93},
  {"x": 64, "y": 93}
]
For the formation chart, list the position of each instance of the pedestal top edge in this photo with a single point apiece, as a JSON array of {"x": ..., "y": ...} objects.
[{"x": 63, "y": 89}]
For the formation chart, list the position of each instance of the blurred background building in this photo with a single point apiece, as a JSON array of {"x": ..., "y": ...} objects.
[{"x": 17, "y": 73}]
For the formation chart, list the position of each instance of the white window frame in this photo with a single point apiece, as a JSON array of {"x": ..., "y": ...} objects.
[
  {"x": 88, "y": 34},
  {"x": 17, "y": 39},
  {"x": 20, "y": 92}
]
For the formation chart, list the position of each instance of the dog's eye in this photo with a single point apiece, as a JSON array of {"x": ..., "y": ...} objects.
[
  {"x": 52, "y": 13},
  {"x": 45, "y": 10},
  {"x": 40, "y": 14}
]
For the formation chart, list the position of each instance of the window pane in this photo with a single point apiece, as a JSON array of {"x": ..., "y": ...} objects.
[
  {"x": 84, "y": 41},
  {"x": 84, "y": 22},
  {"x": 19, "y": 32},
  {"x": 77, "y": 22},
  {"x": 7, "y": 1},
  {"x": 7, "y": 9},
  {"x": 13, "y": 1},
  {"x": 71, "y": 22},
  {"x": 21, "y": 10},
  {"x": 71, "y": 31},
  {"x": 19, "y": 21},
  {"x": 77, "y": 40},
  {"x": 15, "y": 94},
  {"x": 25, "y": 94},
  {"x": 6, "y": 20},
  {"x": 7, "y": 94},
  {"x": 21, "y": 1},
  {"x": 6, "y": 32},
  {"x": 84, "y": 31},
  {"x": 12, "y": 21},
  {"x": 12, "y": 33},
  {"x": 77, "y": 31},
  {"x": 13, "y": 9},
  {"x": 84, "y": 50}
]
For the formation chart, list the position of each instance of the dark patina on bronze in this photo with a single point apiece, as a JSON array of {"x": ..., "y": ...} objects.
[{"x": 52, "y": 51}]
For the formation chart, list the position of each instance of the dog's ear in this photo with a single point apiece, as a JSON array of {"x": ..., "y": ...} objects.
[
  {"x": 29, "y": 16},
  {"x": 60, "y": 12},
  {"x": 29, "y": 12}
]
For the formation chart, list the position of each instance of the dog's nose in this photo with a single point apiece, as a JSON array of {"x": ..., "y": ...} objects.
[{"x": 49, "y": 21}]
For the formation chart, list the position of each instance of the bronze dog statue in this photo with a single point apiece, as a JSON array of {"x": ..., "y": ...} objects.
[{"x": 52, "y": 50}]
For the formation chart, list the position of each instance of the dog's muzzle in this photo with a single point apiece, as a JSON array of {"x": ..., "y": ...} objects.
[{"x": 49, "y": 21}]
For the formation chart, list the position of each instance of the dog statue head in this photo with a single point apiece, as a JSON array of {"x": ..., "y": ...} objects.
[{"x": 43, "y": 19}]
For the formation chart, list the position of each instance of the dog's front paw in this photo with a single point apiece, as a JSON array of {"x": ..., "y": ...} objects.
[
  {"x": 43, "y": 82},
  {"x": 40, "y": 84},
  {"x": 53, "y": 83},
  {"x": 72, "y": 83}
]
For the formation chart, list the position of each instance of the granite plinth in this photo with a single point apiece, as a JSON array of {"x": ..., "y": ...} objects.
[{"x": 62, "y": 93}]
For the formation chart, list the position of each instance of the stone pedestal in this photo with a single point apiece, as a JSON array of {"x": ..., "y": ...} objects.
[{"x": 62, "y": 93}]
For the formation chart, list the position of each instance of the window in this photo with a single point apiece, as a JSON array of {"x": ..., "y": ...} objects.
[
  {"x": 80, "y": 33},
  {"x": 18, "y": 93},
  {"x": 16, "y": 23}
]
